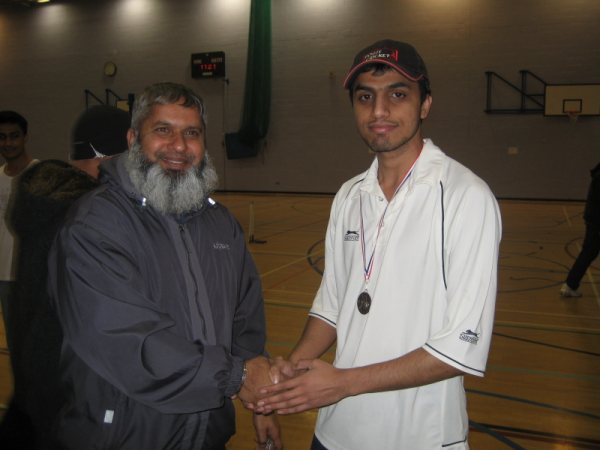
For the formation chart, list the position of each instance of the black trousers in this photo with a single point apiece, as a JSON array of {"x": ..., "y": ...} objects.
[
  {"x": 316, "y": 444},
  {"x": 589, "y": 251}
]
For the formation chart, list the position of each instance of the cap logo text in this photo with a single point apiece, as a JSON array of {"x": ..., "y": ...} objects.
[{"x": 381, "y": 54}]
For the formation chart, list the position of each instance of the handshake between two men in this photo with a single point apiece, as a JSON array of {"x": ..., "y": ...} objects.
[{"x": 285, "y": 387}]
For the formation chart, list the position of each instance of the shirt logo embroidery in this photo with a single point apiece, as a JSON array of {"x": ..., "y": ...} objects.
[
  {"x": 220, "y": 246},
  {"x": 469, "y": 336},
  {"x": 351, "y": 236}
]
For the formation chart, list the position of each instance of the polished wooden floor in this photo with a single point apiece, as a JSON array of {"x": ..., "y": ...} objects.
[{"x": 542, "y": 386}]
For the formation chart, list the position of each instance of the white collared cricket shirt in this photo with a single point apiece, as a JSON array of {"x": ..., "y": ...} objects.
[{"x": 433, "y": 286}]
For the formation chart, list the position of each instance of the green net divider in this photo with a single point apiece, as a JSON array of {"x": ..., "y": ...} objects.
[{"x": 257, "y": 94}]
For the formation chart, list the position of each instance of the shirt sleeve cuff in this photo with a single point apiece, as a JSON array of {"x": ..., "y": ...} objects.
[{"x": 235, "y": 380}]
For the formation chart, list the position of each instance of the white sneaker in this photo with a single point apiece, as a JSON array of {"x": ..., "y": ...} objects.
[{"x": 566, "y": 291}]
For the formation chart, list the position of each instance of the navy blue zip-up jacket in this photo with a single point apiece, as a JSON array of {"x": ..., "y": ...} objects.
[{"x": 158, "y": 314}]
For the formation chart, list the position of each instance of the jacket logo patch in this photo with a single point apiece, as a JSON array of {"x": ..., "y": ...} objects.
[
  {"x": 351, "y": 235},
  {"x": 469, "y": 336},
  {"x": 109, "y": 414},
  {"x": 220, "y": 246}
]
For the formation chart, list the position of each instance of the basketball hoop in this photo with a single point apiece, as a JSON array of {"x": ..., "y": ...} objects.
[{"x": 573, "y": 115}]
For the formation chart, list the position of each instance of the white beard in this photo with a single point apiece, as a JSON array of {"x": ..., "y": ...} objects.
[{"x": 171, "y": 192}]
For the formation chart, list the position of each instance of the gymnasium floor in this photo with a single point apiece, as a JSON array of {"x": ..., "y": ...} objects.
[{"x": 542, "y": 386}]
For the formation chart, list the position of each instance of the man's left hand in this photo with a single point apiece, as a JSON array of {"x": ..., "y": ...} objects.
[{"x": 268, "y": 432}]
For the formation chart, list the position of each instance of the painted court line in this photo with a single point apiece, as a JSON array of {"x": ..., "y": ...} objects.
[{"x": 291, "y": 263}]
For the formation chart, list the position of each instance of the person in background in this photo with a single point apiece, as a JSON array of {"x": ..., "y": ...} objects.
[
  {"x": 591, "y": 241},
  {"x": 40, "y": 200},
  {"x": 13, "y": 137},
  {"x": 158, "y": 297},
  {"x": 13, "y": 140},
  {"x": 410, "y": 303}
]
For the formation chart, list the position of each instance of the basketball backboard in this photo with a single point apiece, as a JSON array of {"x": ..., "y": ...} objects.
[{"x": 572, "y": 99}]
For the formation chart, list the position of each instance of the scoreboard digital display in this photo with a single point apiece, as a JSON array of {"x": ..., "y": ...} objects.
[{"x": 208, "y": 65}]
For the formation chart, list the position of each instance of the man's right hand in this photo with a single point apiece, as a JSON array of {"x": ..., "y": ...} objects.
[{"x": 257, "y": 377}]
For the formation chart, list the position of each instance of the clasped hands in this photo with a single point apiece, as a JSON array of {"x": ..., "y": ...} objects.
[{"x": 277, "y": 385}]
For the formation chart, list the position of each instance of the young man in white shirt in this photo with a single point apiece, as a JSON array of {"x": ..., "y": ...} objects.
[{"x": 410, "y": 303}]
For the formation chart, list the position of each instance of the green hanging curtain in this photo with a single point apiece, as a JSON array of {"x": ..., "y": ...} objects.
[{"x": 257, "y": 95}]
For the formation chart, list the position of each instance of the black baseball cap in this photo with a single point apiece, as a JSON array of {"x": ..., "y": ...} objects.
[
  {"x": 399, "y": 55},
  {"x": 100, "y": 130}
]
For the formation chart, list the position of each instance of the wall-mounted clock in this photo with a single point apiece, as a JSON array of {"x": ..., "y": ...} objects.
[{"x": 110, "y": 69}]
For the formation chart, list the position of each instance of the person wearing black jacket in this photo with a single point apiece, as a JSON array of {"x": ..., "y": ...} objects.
[
  {"x": 40, "y": 201},
  {"x": 159, "y": 299},
  {"x": 591, "y": 242}
]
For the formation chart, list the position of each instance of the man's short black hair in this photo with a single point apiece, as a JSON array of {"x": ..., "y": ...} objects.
[
  {"x": 14, "y": 117},
  {"x": 378, "y": 68}
]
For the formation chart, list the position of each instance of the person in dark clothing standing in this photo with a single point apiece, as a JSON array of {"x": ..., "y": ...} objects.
[
  {"x": 41, "y": 198},
  {"x": 591, "y": 241},
  {"x": 158, "y": 297}
]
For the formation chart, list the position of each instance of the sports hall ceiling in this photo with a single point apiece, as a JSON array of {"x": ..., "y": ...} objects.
[{"x": 23, "y": 3}]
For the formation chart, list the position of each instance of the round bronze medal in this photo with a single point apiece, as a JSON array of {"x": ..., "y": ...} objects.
[{"x": 364, "y": 303}]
